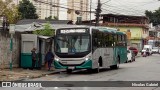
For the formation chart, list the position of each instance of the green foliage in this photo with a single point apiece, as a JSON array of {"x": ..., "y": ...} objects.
[
  {"x": 9, "y": 10},
  {"x": 50, "y": 18},
  {"x": 154, "y": 16},
  {"x": 47, "y": 31},
  {"x": 55, "y": 18},
  {"x": 27, "y": 10}
]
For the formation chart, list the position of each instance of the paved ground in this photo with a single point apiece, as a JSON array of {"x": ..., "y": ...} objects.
[
  {"x": 143, "y": 69},
  {"x": 22, "y": 74}
]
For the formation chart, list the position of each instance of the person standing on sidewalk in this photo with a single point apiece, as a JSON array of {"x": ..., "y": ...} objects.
[
  {"x": 33, "y": 57},
  {"x": 49, "y": 58}
]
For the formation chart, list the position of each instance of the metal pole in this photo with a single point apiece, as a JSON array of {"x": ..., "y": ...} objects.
[
  {"x": 98, "y": 11},
  {"x": 11, "y": 48},
  {"x": 11, "y": 31},
  {"x": 90, "y": 11}
]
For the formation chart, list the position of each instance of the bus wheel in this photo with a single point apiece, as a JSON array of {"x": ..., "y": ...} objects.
[
  {"x": 89, "y": 70},
  {"x": 69, "y": 70}
]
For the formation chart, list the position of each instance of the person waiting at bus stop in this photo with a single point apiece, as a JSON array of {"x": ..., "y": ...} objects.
[
  {"x": 33, "y": 57},
  {"x": 49, "y": 58}
]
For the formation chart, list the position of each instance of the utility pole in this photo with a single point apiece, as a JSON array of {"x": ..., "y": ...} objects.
[{"x": 98, "y": 11}]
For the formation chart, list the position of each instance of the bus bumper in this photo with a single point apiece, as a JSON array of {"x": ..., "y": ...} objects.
[{"x": 86, "y": 65}]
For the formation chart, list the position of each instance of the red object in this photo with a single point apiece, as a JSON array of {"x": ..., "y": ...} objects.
[{"x": 135, "y": 50}]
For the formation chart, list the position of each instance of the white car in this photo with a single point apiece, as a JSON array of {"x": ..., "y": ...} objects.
[
  {"x": 155, "y": 50},
  {"x": 145, "y": 49},
  {"x": 130, "y": 56}
]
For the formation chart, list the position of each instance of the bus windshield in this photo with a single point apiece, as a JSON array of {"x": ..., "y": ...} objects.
[{"x": 72, "y": 43}]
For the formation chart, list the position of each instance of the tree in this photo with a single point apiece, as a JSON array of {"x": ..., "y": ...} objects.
[
  {"x": 48, "y": 18},
  {"x": 154, "y": 16},
  {"x": 47, "y": 31},
  {"x": 9, "y": 10},
  {"x": 27, "y": 10}
]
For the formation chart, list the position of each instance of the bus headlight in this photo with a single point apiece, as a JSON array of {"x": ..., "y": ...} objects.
[
  {"x": 57, "y": 59},
  {"x": 87, "y": 59}
]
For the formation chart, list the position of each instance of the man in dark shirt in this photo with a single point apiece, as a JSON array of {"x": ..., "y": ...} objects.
[
  {"x": 33, "y": 57},
  {"x": 49, "y": 58}
]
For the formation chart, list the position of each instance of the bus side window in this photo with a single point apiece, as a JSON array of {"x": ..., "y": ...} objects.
[
  {"x": 106, "y": 40},
  {"x": 110, "y": 41}
]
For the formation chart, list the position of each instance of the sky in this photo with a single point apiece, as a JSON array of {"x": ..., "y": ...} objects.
[
  {"x": 125, "y": 7},
  {"x": 131, "y": 7}
]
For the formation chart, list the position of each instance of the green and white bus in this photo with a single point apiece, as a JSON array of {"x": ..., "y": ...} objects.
[{"x": 89, "y": 48}]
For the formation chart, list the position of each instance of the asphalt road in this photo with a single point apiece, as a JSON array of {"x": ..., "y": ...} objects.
[{"x": 143, "y": 69}]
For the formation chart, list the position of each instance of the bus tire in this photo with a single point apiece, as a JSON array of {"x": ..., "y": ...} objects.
[
  {"x": 69, "y": 70},
  {"x": 89, "y": 70}
]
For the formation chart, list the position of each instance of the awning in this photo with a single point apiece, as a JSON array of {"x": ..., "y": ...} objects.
[{"x": 44, "y": 37}]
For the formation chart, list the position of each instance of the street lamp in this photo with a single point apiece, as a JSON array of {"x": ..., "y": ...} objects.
[{"x": 11, "y": 31}]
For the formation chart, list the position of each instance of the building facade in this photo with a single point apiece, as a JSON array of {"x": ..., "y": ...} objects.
[
  {"x": 137, "y": 26},
  {"x": 45, "y": 8},
  {"x": 77, "y": 10}
]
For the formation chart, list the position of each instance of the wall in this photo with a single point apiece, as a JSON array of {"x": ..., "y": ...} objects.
[
  {"x": 136, "y": 32},
  {"x": 136, "y": 35},
  {"x": 5, "y": 49}
]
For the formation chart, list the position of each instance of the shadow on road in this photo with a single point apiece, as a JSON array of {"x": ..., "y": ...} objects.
[{"x": 83, "y": 71}]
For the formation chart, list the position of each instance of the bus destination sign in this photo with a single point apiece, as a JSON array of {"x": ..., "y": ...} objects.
[{"x": 73, "y": 31}]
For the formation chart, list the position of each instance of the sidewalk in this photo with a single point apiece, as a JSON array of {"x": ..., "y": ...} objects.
[{"x": 22, "y": 74}]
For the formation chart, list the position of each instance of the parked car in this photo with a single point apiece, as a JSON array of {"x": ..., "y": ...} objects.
[
  {"x": 135, "y": 50},
  {"x": 155, "y": 50},
  {"x": 130, "y": 56}
]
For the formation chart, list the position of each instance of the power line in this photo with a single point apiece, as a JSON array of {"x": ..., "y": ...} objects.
[
  {"x": 119, "y": 13},
  {"x": 106, "y": 2},
  {"x": 120, "y": 9}
]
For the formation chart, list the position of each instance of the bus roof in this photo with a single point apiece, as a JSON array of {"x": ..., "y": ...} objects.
[{"x": 110, "y": 30}]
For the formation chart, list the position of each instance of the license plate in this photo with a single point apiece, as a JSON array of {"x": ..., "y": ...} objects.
[{"x": 71, "y": 67}]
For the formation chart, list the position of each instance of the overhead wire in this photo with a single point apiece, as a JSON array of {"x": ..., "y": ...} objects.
[
  {"x": 53, "y": 5},
  {"x": 122, "y": 9},
  {"x": 132, "y": 6}
]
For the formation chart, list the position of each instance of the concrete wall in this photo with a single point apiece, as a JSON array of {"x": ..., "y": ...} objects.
[
  {"x": 5, "y": 54},
  {"x": 136, "y": 32}
]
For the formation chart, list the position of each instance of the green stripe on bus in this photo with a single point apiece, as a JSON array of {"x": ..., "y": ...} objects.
[{"x": 86, "y": 65}]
